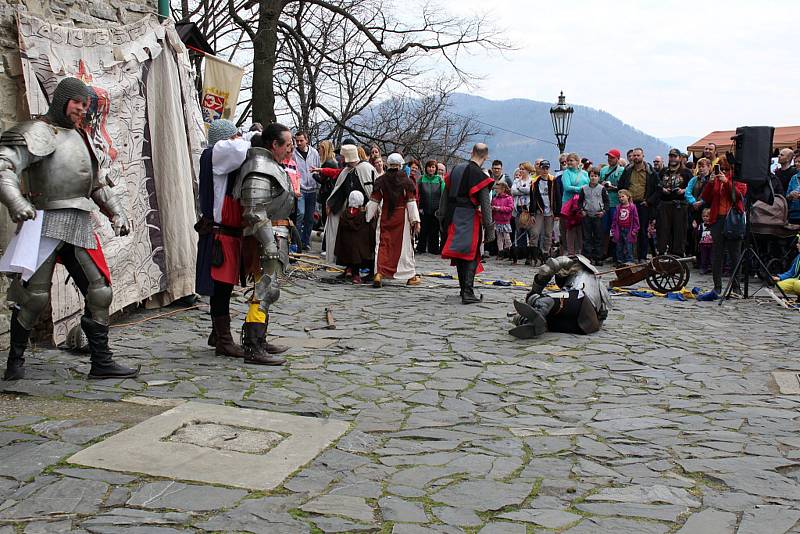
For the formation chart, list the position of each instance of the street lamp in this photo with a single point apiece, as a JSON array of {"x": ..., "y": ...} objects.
[{"x": 561, "y": 114}]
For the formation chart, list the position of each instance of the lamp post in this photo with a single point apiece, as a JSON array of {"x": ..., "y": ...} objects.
[{"x": 561, "y": 114}]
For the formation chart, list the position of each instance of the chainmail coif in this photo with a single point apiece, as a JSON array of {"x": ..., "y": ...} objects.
[{"x": 67, "y": 89}]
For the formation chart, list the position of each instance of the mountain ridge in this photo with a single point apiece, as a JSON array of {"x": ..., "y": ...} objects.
[{"x": 521, "y": 130}]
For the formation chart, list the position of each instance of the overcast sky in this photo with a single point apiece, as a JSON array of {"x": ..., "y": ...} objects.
[{"x": 669, "y": 67}]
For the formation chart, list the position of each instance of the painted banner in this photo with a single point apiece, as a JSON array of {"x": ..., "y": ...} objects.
[
  {"x": 146, "y": 124},
  {"x": 221, "y": 83}
]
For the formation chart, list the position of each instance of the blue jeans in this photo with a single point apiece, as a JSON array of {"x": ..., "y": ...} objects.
[
  {"x": 306, "y": 205},
  {"x": 624, "y": 247},
  {"x": 297, "y": 214}
]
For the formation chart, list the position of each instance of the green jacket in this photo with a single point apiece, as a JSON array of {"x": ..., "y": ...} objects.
[
  {"x": 613, "y": 177},
  {"x": 430, "y": 193}
]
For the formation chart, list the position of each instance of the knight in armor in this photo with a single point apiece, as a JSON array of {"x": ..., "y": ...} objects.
[
  {"x": 465, "y": 207},
  {"x": 578, "y": 306},
  {"x": 267, "y": 198},
  {"x": 63, "y": 184}
]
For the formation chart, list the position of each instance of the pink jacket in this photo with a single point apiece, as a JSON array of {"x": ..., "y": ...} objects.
[
  {"x": 633, "y": 230},
  {"x": 294, "y": 175},
  {"x": 502, "y": 208}
]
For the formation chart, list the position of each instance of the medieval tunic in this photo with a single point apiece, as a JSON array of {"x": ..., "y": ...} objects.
[
  {"x": 219, "y": 167},
  {"x": 355, "y": 239},
  {"x": 360, "y": 178},
  {"x": 394, "y": 250},
  {"x": 461, "y": 208}
]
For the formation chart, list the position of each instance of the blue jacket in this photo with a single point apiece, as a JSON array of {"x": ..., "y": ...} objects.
[
  {"x": 794, "y": 205},
  {"x": 689, "y": 194},
  {"x": 794, "y": 270}
]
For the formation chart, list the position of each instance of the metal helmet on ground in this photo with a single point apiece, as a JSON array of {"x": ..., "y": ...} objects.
[{"x": 586, "y": 263}]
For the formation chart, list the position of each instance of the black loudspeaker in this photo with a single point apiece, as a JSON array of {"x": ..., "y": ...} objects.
[{"x": 753, "y": 151}]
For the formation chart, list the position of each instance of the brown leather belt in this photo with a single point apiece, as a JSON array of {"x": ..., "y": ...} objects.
[{"x": 282, "y": 222}]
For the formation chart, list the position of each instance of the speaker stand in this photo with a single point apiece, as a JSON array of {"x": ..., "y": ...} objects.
[{"x": 749, "y": 253}]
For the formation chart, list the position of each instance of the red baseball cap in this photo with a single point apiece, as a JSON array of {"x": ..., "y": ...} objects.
[{"x": 614, "y": 153}]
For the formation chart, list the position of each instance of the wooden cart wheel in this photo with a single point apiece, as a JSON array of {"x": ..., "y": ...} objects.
[{"x": 668, "y": 274}]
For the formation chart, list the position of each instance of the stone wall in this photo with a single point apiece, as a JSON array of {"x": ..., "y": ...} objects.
[{"x": 79, "y": 13}]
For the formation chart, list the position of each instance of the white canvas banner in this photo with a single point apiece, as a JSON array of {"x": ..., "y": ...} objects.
[
  {"x": 221, "y": 83},
  {"x": 146, "y": 139}
]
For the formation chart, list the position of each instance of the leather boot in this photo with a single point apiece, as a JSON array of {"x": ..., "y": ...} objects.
[
  {"x": 225, "y": 345},
  {"x": 460, "y": 271},
  {"x": 534, "y": 324},
  {"x": 271, "y": 348},
  {"x": 212, "y": 337},
  {"x": 256, "y": 348},
  {"x": 103, "y": 364},
  {"x": 15, "y": 368},
  {"x": 469, "y": 296},
  {"x": 528, "y": 255}
]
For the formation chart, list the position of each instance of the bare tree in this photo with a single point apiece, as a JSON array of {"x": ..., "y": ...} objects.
[
  {"x": 323, "y": 64},
  {"x": 422, "y": 128},
  {"x": 369, "y": 24}
]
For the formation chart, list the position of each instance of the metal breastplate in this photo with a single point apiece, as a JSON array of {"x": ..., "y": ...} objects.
[
  {"x": 271, "y": 191},
  {"x": 278, "y": 203},
  {"x": 63, "y": 179},
  {"x": 587, "y": 283}
]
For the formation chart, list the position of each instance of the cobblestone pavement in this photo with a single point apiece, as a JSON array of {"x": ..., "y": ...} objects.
[{"x": 667, "y": 420}]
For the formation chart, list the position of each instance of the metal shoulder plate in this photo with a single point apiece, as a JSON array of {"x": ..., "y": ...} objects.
[
  {"x": 260, "y": 161},
  {"x": 37, "y": 136}
]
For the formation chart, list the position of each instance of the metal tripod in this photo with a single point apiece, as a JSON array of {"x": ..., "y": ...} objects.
[{"x": 743, "y": 263}]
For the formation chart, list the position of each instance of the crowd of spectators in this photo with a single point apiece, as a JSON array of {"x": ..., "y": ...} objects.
[
  {"x": 622, "y": 211},
  {"x": 677, "y": 208}
]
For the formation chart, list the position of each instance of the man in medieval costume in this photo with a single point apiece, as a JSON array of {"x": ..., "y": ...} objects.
[
  {"x": 357, "y": 175},
  {"x": 219, "y": 246},
  {"x": 466, "y": 207},
  {"x": 267, "y": 198},
  {"x": 578, "y": 306},
  {"x": 394, "y": 197},
  {"x": 64, "y": 184}
]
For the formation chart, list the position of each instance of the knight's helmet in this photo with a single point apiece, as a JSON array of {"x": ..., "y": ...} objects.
[{"x": 67, "y": 89}]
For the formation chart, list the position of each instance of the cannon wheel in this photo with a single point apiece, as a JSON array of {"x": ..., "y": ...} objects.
[{"x": 668, "y": 274}]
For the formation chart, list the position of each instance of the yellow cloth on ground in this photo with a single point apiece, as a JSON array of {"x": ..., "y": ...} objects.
[{"x": 790, "y": 285}]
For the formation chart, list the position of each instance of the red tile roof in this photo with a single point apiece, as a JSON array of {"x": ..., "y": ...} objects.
[{"x": 785, "y": 137}]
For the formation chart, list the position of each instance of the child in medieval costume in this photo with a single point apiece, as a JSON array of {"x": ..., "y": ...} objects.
[
  {"x": 357, "y": 175},
  {"x": 355, "y": 240}
]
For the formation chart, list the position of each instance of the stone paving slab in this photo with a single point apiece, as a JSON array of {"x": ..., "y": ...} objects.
[{"x": 145, "y": 448}]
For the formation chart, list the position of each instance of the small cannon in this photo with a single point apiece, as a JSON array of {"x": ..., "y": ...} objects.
[{"x": 664, "y": 273}]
